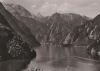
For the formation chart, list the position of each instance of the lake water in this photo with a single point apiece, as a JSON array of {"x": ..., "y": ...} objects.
[{"x": 57, "y": 58}]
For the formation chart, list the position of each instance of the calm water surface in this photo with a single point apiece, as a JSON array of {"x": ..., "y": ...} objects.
[
  {"x": 63, "y": 59},
  {"x": 55, "y": 58}
]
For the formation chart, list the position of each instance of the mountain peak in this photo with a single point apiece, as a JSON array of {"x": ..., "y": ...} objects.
[
  {"x": 56, "y": 14},
  {"x": 97, "y": 19},
  {"x": 97, "y": 16}
]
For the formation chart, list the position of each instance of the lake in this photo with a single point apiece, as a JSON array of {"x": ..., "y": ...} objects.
[{"x": 54, "y": 58}]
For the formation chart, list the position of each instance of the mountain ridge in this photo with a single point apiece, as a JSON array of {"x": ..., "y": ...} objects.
[{"x": 50, "y": 28}]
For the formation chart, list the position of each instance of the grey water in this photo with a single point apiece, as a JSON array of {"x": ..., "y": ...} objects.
[
  {"x": 58, "y": 58},
  {"x": 52, "y": 57}
]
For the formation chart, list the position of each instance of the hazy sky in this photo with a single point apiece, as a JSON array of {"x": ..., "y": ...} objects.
[{"x": 46, "y": 7}]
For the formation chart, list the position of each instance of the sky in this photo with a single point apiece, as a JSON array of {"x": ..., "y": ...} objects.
[{"x": 89, "y": 8}]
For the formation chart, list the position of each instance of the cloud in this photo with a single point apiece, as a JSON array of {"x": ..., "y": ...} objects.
[
  {"x": 90, "y": 8},
  {"x": 65, "y": 7},
  {"x": 47, "y": 7},
  {"x": 1, "y": 0}
]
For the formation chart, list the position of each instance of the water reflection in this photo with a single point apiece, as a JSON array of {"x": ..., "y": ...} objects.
[
  {"x": 13, "y": 65},
  {"x": 64, "y": 65},
  {"x": 57, "y": 58}
]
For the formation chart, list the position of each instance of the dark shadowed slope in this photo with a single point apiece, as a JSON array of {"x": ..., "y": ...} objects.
[
  {"x": 22, "y": 30},
  {"x": 38, "y": 29},
  {"x": 17, "y": 10}
]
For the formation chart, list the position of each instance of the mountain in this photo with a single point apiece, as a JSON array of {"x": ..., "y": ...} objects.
[
  {"x": 59, "y": 25},
  {"x": 47, "y": 29},
  {"x": 85, "y": 39},
  {"x": 17, "y": 26},
  {"x": 86, "y": 34},
  {"x": 17, "y": 10},
  {"x": 24, "y": 16}
]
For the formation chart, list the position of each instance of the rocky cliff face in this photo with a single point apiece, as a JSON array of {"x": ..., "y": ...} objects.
[
  {"x": 86, "y": 33},
  {"x": 62, "y": 24}
]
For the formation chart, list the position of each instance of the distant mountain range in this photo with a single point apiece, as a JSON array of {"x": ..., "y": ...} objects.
[{"x": 53, "y": 28}]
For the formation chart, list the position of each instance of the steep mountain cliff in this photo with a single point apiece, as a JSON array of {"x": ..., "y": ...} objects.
[
  {"x": 24, "y": 16},
  {"x": 17, "y": 26},
  {"x": 61, "y": 24},
  {"x": 85, "y": 34}
]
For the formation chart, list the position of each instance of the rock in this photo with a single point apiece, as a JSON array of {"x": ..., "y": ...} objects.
[
  {"x": 12, "y": 43},
  {"x": 88, "y": 35}
]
